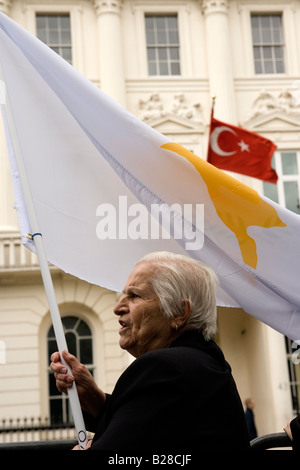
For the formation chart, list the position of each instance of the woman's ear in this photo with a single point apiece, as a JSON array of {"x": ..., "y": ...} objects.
[{"x": 181, "y": 320}]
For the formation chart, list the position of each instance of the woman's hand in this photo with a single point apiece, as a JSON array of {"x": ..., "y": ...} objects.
[
  {"x": 91, "y": 397},
  {"x": 86, "y": 447},
  {"x": 287, "y": 429}
]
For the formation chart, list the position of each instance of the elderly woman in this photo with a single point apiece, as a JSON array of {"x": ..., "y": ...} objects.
[{"x": 179, "y": 392}]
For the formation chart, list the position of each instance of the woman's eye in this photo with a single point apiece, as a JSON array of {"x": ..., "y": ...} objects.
[{"x": 133, "y": 295}]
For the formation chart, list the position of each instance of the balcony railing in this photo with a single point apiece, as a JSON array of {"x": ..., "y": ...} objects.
[
  {"x": 13, "y": 255},
  {"x": 35, "y": 430}
]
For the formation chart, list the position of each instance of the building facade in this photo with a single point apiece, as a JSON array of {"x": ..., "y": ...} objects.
[{"x": 163, "y": 61}]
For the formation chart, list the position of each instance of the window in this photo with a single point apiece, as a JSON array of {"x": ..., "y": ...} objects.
[
  {"x": 294, "y": 374},
  {"x": 268, "y": 48},
  {"x": 55, "y": 31},
  {"x": 79, "y": 340},
  {"x": 287, "y": 190},
  {"x": 162, "y": 45}
]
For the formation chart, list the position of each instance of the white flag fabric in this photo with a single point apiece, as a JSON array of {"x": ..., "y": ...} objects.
[{"x": 93, "y": 169}]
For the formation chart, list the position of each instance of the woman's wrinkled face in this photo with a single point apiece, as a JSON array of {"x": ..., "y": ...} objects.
[{"x": 143, "y": 325}]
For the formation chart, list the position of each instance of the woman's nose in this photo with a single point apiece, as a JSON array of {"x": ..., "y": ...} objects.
[{"x": 121, "y": 307}]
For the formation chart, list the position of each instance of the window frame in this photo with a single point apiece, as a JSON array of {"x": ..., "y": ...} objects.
[
  {"x": 59, "y": 45},
  {"x": 293, "y": 371},
  {"x": 177, "y": 7},
  {"x": 159, "y": 46},
  {"x": 77, "y": 36},
  {"x": 289, "y": 27},
  {"x": 262, "y": 45},
  {"x": 65, "y": 406},
  {"x": 283, "y": 178}
]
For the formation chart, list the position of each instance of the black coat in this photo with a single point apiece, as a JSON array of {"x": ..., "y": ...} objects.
[
  {"x": 179, "y": 398},
  {"x": 249, "y": 415},
  {"x": 295, "y": 428}
]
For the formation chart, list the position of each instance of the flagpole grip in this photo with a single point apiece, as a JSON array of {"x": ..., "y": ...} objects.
[{"x": 60, "y": 339}]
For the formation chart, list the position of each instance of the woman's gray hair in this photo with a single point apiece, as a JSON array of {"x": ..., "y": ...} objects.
[{"x": 182, "y": 278}]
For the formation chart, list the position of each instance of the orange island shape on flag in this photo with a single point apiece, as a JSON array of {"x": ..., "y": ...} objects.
[{"x": 247, "y": 207}]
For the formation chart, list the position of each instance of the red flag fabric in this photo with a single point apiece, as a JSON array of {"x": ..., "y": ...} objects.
[{"x": 235, "y": 149}]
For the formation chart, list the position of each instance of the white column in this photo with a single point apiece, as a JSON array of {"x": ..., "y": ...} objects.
[
  {"x": 277, "y": 375},
  {"x": 110, "y": 48},
  {"x": 219, "y": 59}
]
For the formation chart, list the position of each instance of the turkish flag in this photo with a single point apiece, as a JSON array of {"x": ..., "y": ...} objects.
[{"x": 235, "y": 149}]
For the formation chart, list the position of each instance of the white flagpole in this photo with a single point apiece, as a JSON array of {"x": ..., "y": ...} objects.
[{"x": 45, "y": 271}]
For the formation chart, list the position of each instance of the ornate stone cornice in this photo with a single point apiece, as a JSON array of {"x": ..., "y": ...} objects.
[
  {"x": 181, "y": 107},
  {"x": 287, "y": 104},
  {"x": 214, "y": 6},
  {"x": 107, "y": 6}
]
